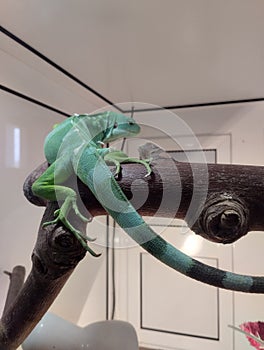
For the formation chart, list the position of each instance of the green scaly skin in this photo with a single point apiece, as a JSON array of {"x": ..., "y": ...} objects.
[{"x": 75, "y": 146}]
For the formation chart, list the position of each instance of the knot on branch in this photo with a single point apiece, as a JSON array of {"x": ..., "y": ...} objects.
[
  {"x": 61, "y": 253},
  {"x": 66, "y": 251},
  {"x": 224, "y": 219},
  {"x": 57, "y": 250}
]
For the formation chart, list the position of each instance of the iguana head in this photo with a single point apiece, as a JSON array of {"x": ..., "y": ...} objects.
[
  {"x": 105, "y": 126},
  {"x": 119, "y": 125}
]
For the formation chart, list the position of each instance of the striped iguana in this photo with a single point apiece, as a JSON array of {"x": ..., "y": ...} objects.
[{"x": 75, "y": 146}]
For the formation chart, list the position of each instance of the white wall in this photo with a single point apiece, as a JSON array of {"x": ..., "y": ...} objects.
[
  {"x": 19, "y": 220},
  {"x": 19, "y": 156},
  {"x": 237, "y": 131},
  {"x": 238, "y": 134},
  {"x": 245, "y": 124}
]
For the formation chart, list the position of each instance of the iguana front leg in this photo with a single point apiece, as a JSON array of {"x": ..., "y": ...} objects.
[
  {"x": 48, "y": 186},
  {"x": 118, "y": 157}
]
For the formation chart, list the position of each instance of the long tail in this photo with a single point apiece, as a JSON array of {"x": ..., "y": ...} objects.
[{"x": 109, "y": 194}]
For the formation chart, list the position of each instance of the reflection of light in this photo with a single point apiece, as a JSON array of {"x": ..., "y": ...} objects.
[
  {"x": 16, "y": 155},
  {"x": 192, "y": 244},
  {"x": 13, "y": 147}
]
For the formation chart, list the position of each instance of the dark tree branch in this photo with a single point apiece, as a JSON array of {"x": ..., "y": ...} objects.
[
  {"x": 234, "y": 198},
  {"x": 54, "y": 258},
  {"x": 234, "y": 206},
  {"x": 17, "y": 277}
]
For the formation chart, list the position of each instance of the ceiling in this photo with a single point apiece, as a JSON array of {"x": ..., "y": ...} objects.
[{"x": 83, "y": 54}]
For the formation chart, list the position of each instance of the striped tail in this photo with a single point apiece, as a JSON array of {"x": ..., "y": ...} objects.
[{"x": 93, "y": 171}]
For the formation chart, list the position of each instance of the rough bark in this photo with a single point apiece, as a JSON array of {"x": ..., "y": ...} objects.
[
  {"x": 17, "y": 277},
  {"x": 233, "y": 206},
  {"x": 233, "y": 194},
  {"x": 54, "y": 258}
]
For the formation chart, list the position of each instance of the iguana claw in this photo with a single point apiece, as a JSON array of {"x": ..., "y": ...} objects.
[
  {"x": 78, "y": 234},
  {"x": 61, "y": 215}
]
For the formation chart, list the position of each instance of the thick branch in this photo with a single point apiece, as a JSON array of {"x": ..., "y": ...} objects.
[
  {"x": 234, "y": 205},
  {"x": 55, "y": 255},
  {"x": 234, "y": 194}
]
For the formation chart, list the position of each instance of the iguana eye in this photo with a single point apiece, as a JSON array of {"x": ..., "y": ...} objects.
[
  {"x": 131, "y": 123},
  {"x": 115, "y": 125}
]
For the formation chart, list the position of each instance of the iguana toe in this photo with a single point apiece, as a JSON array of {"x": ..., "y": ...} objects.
[
  {"x": 79, "y": 214},
  {"x": 52, "y": 222}
]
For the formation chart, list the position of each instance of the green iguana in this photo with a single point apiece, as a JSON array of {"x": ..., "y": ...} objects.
[{"x": 75, "y": 146}]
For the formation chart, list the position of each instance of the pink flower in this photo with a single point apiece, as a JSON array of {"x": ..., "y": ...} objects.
[{"x": 257, "y": 330}]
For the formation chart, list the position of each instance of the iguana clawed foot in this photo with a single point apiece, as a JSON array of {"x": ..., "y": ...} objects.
[
  {"x": 61, "y": 215},
  {"x": 119, "y": 157}
]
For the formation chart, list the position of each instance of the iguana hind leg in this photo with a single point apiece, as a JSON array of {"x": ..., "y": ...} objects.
[{"x": 44, "y": 187}]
